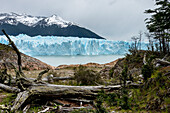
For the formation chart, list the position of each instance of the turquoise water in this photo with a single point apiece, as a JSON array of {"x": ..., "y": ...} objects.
[{"x": 67, "y": 60}]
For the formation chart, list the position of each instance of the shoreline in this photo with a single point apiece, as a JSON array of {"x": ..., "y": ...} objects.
[{"x": 90, "y": 64}]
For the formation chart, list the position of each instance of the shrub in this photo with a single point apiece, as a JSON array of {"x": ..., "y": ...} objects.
[
  {"x": 124, "y": 74},
  {"x": 124, "y": 100},
  {"x": 84, "y": 76},
  {"x": 147, "y": 71},
  {"x": 112, "y": 99},
  {"x": 100, "y": 99}
]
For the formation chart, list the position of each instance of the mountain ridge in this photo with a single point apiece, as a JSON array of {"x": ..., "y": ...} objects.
[{"x": 15, "y": 24}]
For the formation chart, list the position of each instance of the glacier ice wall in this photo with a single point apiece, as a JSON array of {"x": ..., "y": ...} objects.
[{"x": 54, "y": 45}]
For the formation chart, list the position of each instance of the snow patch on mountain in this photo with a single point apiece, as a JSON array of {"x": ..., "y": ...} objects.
[
  {"x": 14, "y": 19},
  {"x": 57, "y": 20}
]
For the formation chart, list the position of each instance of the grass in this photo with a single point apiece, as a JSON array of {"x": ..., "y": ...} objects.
[
  {"x": 8, "y": 97},
  {"x": 83, "y": 111}
]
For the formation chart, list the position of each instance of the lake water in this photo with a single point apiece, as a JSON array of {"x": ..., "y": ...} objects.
[{"x": 62, "y": 60}]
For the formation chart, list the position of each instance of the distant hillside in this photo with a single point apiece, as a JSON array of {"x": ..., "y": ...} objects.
[
  {"x": 15, "y": 24},
  {"x": 8, "y": 55}
]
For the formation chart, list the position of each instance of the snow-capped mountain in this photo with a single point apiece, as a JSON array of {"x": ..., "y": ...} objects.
[
  {"x": 16, "y": 24},
  {"x": 15, "y": 19}
]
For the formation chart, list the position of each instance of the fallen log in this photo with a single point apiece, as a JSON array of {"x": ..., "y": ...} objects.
[
  {"x": 27, "y": 107},
  {"x": 13, "y": 80},
  {"x": 162, "y": 62},
  {"x": 62, "y": 78},
  {"x": 56, "y": 78},
  {"x": 91, "y": 88},
  {"x": 78, "y": 100},
  {"x": 19, "y": 101},
  {"x": 69, "y": 109},
  {"x": 44, "y": 111},
  {"x": 9, "y": 88},
  {"x": 49, "y": 92}
]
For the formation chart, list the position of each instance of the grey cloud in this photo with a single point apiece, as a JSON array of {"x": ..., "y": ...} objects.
[{"x": 113, "y": 19}]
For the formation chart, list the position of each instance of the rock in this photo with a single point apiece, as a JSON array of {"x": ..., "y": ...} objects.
[{"x": 8, "y": 56}]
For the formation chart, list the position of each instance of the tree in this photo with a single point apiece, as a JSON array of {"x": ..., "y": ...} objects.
[
  {"x": 124, "y": 75},
  {"x": 151, "y": 41},
  {"x": 136, "y": 43},
  {"x": 159, "y": 25},
  {"x": 146, "y": 71}
]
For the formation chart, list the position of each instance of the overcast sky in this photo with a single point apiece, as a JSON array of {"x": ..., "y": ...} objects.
[{"x": 112, "y": 19}]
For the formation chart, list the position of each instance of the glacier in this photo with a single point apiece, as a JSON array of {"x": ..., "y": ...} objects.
[{"x": 55, "y": 45}]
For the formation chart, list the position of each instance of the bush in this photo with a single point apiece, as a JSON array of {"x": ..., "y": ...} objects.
[
  {"x": 124, "y": 100},
  {"x": 124, "y": 74},
  {"x": 112, "y": 99},
  {"x": 100, "y": 99},
  {"x": 84, "y": 76},
  {"x": 147, "y": 71}
]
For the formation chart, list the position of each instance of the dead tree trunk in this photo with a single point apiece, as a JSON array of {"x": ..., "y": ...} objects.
[
  {"x": 16, "y": 50},
  {"x": 9, "y": 88},
  {"x": 52, "y": 92},
  {"x": 39, "y": 78}
]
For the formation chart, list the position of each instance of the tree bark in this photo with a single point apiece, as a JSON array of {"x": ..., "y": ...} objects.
[
  {"x": 9, "y": 88},
  {"x": 51, "y": 92},
  {"x": 161, "y": 62},
  {"x": 144, "y": 59},
  {"x": 15, "y": 49},
  {"x": 39, "y": 78},
  {"x": 62, "y": 78}
]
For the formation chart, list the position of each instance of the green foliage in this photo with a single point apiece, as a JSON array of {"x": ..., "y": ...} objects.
[
  {"x": 111, "y": 72},
  {"x": 125, "y": 74},
  {"x": 34, "y": 109},
  {"x": 84, "y": 76},
  {"x": 7, "y": 100},
  {"x": 124, "y": 100},
  {"x": 146, "y": 71},
  {"x": 100, "y": 99},
  {"x": 159, "y": 24},
  {"x": 154, "y": 94},
  {"x": 118, "y": 99},
  {"x": 84, "y": 111},
  {"x": 112, "y": 99},
  {"x": 134, "y": 60},
  {"x": 151, "y": 58}
]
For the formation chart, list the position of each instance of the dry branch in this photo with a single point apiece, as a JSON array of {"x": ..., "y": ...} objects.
[
  {"x": 162, "y": 62},
  {"x": 9, "y": 88},
  {"x": 39, "y": 78},
  {"x": 15, "y": 49},
  {"x": 62, "y": 78},
  {"x": 3, "y": 107},
  {"x": 21, "y": 98},
  {"x": 144, "y": 59}
]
